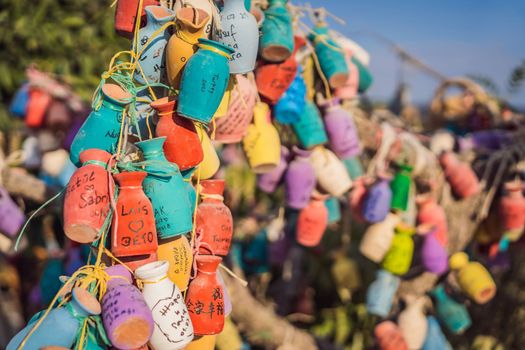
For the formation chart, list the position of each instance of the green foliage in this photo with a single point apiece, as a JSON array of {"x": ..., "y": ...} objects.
[{"x": 75, "y": 39}]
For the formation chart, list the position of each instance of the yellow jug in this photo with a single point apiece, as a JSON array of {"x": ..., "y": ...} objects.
[
  {"x": 206, "y": 342},
  {"x": 177, "y": 252},
  {"x": 210, "y": 162},
  {"x": 398, "y": 259},
  {"x": 473, "y": 278},
  {"x": 182, "y": 45},
  {"x": 261, "y": 142}
]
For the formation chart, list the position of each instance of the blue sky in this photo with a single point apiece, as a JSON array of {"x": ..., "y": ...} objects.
[{"x": 456, "y": 37}]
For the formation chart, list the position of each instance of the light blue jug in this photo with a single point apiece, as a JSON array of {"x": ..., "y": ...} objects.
[
  {"x": 309, "y": 129},
  {"x": 152, "y": 57},
  {"x": 276, "y": 43},
  {"x": 204, "y": 81},
  {"x": 451, "y": 313},
  {"x": 102, "y": 127},
  {"x": 380, "y": 294},
  {"x": 290, "y": 106},
  {"x": 435, "y": 339},
  {"x": 61, "y": 326},
  {"x": 354, "y": 167},
  {"x": 166, "y": 190}
]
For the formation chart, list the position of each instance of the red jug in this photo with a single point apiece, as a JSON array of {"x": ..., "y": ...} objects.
[
  {"x": 430, "y": 212},
  {"x": 134, "y": 231},
  {"x": 274, "y": 78},
  {"x": 87, "y": 199},
  {"x": 312, "y": 222},
  {"x": 512, "y": 207},
  {"x": 460, "y": 176},
  {"x": 182, "y": 146},
  {"x": 205, "y": 297},
  {"x": 214, "y": 219},
  {"x": 389, "y": 336},
  {"x": 37, "y": 105},
  {"x": 125, "y": 15}
]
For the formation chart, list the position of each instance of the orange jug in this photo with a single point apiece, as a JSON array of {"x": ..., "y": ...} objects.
[{"x": 312, "y": 222}]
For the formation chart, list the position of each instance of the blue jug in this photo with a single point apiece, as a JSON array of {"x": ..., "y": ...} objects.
[
  {"x": 435, "y": 339},
  {"x": 380, "y": 294},
  {"x": 290, "y": 106},
  {"x": 377, "y": 201}
]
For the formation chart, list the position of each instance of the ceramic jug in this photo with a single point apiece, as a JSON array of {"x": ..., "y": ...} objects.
[
  {"x": 376, "y": 205},
  {"x": 299, "y": 180},
  {"x": 399, "y": 257},
  {"x": 389, "y": 337},
  {"x": 68, "y": 319},
  {"x": 205, "y": 297},
  {"x": 134, "y": 220},
  {"x": 58, "y": 115},
  {"x": 334, "y": 210},
  {"x": 126, "y": 317},
  {"x": 210, "y": 161},
  {"x": 204, "y": 81},
  {"x": 182, "y": 145},
  {"x": 274, "y": 78},
  {"x": 151, "y": 50},
  {"x": 290, "y": 106},
  {"x": 512, "y": 207},
  {"x": 261, "y": 143},
  {"x": 177, "y": 252},
  {"x": 37, "y": 105},
  {"x": 380, "y": 293},
  {"x": 310, "y": 129},
  {"x": 214, "y": 221},
  {"x": 434, "y": 257},
  {"x": 240, "y": 32},
  {"x": 190, "y": 26},
  {"x": 435, "y": 339},
  {"x": 276, "y": 43},
  {"x": 342, "y": 132},
  {"x": 378, "y": 238},
  {"x": 348, "y": 90},
  {"x": 431, "y": 213},
  {"x": 312, "y": 223},
  {"x": 11, "y": 216},
  {"x": 232, "y": 127},
  {"x": 87, "y": 199},
  {"x": 400, "y": 186},
  {"x": 206, "y": 5},
  {"x": 330, "y": 172},
  {"x": 451, "y": 313},
  {"x": 163, "y": 184},
  {"x": 269, "y": 181},
  {"x": 126, "y": 14},
  {"x": 18, "y": 105},
  {"x": 102, "y": 127},
  {"x": 173, "y": 327},
  {"x": 462, "y": 179},
  {"x": 353, "y": 167},
  {"x": 413, "y": 323},
  {"x": 473, "y": 278},
  {"x": 331, "y": 56}
]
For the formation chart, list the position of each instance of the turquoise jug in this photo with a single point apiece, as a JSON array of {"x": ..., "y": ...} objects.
[
  {"x": 331, "y": 56},
  {"x": 204, "y": 81},
  {"x": 380, "y": 294},
  {"x": 190, "y": 189},
  {"x": 102, "y": 127},
  {"x": 61, "y": 326},
  {"x": 334, "y": 210},
  {"x": 166, "y": 190},
  {"x": 152, "y": 63},
  {"x": 354, "y": 167},
  {"x": 435, "y": 339},
  {"x": 310, "y": 128},
  {"x": 276, "y": 43},
  {"x": 240, "y": 32},
  {"x": 451, "y": 313},
  {"x": 291, "y": 104}
]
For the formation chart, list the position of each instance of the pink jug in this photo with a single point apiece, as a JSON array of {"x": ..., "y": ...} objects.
[
  {"x": 430, "y": 212},
  {"x": 461, "y": 177}
]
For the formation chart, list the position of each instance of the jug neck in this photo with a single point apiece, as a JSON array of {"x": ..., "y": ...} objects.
[
  {"x": 208, "y": 264},
  {"x": 158, "y": 15},
  {"x": 230, "y": 5},
  {"x": 152, "y": 149},
  {"x": 130, "y": 180},
  {"x": 165, "y": 106},
  {"x": 83, "y": 304},
  {"x": 96, "y": 157},
  {"x": 191, "y": 20}
]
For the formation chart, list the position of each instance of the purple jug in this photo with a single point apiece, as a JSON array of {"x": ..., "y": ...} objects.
[
  {"x": 268, "y": 182},
  {"x": 342, "y": 132},
  {"x": 299, "y": 180},
  {"x": 11, "y": 216},
  {"x": 126, "y": 317},
  {"x": 433, "y": 255},
  {"x": 377, "y": 201}
]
